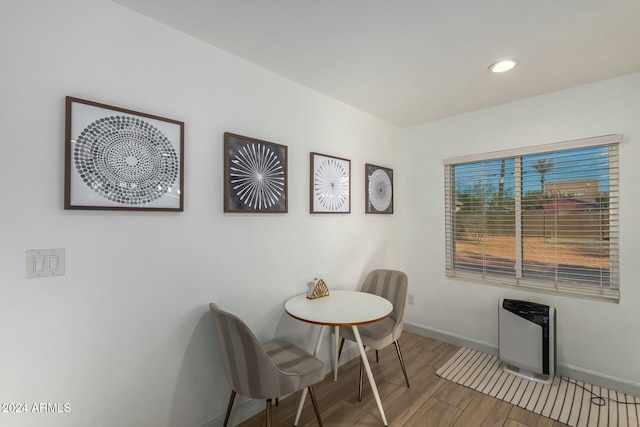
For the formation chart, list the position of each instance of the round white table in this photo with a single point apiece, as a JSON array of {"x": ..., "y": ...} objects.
[{"x": 341, "y": 308}]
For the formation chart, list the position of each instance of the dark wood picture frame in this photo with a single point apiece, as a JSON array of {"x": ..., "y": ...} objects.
[
  {"x": 330, "y": 184},
  {"x": 378, "y": 189},
  {"x": 255, "y": 175},
  {"x": 120, "y": 159}
]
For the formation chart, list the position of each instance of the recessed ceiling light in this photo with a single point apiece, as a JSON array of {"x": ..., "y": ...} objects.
[{"x": 504, "y": 65}]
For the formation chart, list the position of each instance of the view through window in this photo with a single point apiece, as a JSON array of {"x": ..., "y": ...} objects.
[{"x": 544, "y": 217}]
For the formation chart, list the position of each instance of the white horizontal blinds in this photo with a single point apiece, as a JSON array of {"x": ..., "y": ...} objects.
[
  {"x": 538, "y": 149},
  {"x": 483, "y": 216},
  {"x": 614, "y": 224},
  {"x": 545, "y": 220},
  {"x": 449, "y": 204},
  {"x": 566, "y": 219}
]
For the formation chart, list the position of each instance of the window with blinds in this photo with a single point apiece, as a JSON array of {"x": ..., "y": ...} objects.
[{"x": 542, "y": 218}]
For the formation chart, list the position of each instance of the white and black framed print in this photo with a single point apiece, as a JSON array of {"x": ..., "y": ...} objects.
[
  {"x": 330, "y": 184},
  {"x": 378, "y": 189},
  {"x": 255, "y": 175},
  {"x": 119, "y": 159}
]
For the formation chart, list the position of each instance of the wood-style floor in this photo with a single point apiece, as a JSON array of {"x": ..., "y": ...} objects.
[{"x": 431, "y": 401}]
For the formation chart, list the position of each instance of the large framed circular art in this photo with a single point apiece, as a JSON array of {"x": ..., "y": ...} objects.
[
  {"x": 255, "y": 175},
  {"x": 330, "y": 184},
  {"x": 379, "y": 189},
  {"x": 118, "y": 159}
]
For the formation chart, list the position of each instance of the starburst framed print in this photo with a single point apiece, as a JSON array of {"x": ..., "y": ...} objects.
[
  {"x": 330, "y": 184},
  {"x": 255, "y": 175},
  {"x": 118, "y": 159},
  {"x": 378, "y": 189}
]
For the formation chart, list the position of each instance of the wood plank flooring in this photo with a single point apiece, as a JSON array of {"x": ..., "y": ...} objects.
[{"x": 431, "y": 401}]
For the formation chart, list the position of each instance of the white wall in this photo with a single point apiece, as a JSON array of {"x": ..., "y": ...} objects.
[
  {"x": 594, "y": 338},
  {"x": 124, "y": 336}
]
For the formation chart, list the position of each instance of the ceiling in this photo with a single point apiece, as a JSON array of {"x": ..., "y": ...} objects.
[{"x": 414, "y": 61}]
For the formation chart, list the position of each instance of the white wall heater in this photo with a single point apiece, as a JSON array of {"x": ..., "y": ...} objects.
[{"x": 527, "y": 339}]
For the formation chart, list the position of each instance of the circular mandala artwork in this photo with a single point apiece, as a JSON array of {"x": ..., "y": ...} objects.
[
  {"x": 126, "y": 160},
  {"x": 380, "y": 190},
  {"x": 257, "y": 177},
  {"x": 331, "y": 185}
]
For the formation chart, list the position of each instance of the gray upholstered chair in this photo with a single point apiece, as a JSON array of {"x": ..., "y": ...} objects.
[
  {"x": 263, "y": 371},
  {"x": 392, "y": 285}
]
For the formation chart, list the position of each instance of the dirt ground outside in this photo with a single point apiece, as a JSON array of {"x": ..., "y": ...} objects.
[{"x": 502, "y": 249}]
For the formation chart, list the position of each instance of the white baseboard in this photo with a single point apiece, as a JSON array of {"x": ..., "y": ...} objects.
[
  {"x": 565, "y": 370},
  {"x": 451, "y": 338}
]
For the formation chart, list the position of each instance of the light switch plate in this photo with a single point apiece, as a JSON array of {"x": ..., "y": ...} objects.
[{"x": 45, "y": 263}]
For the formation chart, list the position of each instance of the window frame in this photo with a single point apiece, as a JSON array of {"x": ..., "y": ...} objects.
[{"x": 609, "y": 293}]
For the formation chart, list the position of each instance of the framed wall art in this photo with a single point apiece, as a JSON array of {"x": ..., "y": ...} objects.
[
  {"x": 255, "y": 175},
  {"x": 378, "y": 189},
  {"x": 118, "y": 159},
  {"x": 330, "y": 184}
]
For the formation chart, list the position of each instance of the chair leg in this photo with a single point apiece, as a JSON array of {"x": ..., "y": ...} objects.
[
  {"x": 229, "y": 406},
  {"x": 315, "y": 405},
  {"x": 340, "y": 350},
  {"x": 404, "y": 369},
  {"x": 360, "y": 381},
  {"x": 268, "y": 412},
  {"x": 377, "y": 361}
]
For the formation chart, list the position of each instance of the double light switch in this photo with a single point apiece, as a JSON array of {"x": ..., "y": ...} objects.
[{"x": 45, "y": 263}]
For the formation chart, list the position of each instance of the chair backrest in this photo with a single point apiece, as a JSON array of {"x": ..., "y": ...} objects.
[
  {"x": 250, "y": 371},
  {"x": 392, "y": 285}
]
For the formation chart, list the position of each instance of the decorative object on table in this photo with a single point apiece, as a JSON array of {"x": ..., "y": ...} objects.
[
  {"x": 330, "y": 184},
  {"x": 255, "y": 175},
  {"x": 118, "y": 159},
  {"x": 317, "y": 289},
  {"x": 379, "y": 189}
]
